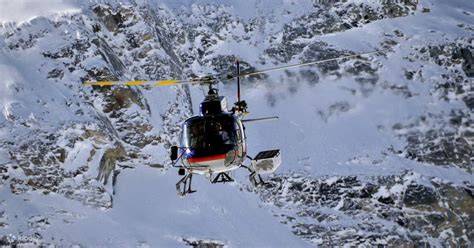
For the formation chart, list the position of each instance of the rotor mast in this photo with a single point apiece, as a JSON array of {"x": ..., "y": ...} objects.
[
  {"x": 237, "y": 62},
  {"x": 240, "y": 105}
]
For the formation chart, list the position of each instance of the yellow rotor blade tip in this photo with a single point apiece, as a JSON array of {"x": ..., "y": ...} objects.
[
  {"x": 103, "y": 83},
  {"x": 137, "y": 82},
  {"x": 166, "y": 82}
]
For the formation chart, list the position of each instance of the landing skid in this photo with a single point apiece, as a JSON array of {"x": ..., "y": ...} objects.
[
  {"x": 184, "y": 185},
  {"x": 255, "y": 178},
  {"x": 222, "y": 177},
  {"x": 265, "y": 162}
]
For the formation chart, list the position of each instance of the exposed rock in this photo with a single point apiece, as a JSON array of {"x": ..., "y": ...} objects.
[
  {"x": 56, "y": 73},
  {"x": 109, "y": 56},
  {"x": 449, "y": 142},
  {"x": 456, "y": 58},
  {"x": 120, "y": 98},
  {"x": 98, "y": 136},
  {"x": 381, "y": 210},
  {"x": 38, "y": 222},
  {"x": 468, "y": 65},
  {"x": 61, "y": 155},
  {"x": 419, "y": 195},
  {"x": 112, "y": 20},
  {"x": 469, "y": 100},
  {"x": 109, "y": 160},
  {"x": 22, "y": 241},
  {"x": 99, "y": 74},
  {"x": 196, "y": 243}
]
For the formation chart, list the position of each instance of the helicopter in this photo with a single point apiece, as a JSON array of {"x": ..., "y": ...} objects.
[{"x": 213, "y": 143}]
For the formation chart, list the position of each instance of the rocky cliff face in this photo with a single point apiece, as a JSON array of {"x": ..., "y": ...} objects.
[
  {"x": 117, "y": 122},
  {"x": 401, "y": 210},
  {"x": 59, "y": 137}
]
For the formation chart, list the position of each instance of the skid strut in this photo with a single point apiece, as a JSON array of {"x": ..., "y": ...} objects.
[
  {"x": 222, "y": 177},
  {"x": 184, "y": 185},
  {"x": 255, "y": 179}
]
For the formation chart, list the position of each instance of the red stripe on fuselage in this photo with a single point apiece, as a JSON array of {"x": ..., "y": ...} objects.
[{"x": 206, "y": 159}]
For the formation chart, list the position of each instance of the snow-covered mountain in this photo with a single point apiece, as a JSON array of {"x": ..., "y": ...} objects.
[{"x": 377, "y": 150}]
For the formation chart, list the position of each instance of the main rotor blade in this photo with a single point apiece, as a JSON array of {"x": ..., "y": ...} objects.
[
  {"x": 219, "y": 77},
  {"x": 134, "y": 83},
  {"x": 304, "y": 64},
  {"x": 158, "y": 83}
]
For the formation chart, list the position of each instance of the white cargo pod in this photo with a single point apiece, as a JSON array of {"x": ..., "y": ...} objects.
[{"x": 266, "y": 162}]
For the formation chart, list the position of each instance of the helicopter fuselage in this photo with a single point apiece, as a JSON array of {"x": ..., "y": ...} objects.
[{"x": 214, "y": 141}]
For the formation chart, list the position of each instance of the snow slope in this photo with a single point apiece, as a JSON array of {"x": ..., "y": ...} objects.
[{"x": 153, "y": 217}]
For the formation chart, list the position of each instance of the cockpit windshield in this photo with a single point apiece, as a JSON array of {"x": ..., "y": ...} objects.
[{"x": 209, "y": 132}]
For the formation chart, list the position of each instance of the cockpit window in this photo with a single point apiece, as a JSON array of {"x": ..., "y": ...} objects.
[{"x": 209, "y": 132}]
